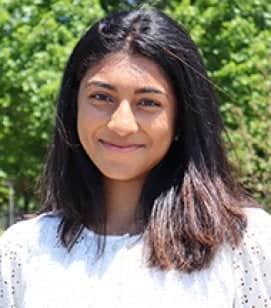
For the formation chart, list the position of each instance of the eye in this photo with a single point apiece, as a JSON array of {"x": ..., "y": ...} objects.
[
  {"x": 100, "y": 97},
  {"x": 148, "y": 103}
]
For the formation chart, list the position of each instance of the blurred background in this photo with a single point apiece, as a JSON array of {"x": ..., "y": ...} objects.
[{"x": 36, "y": 37}]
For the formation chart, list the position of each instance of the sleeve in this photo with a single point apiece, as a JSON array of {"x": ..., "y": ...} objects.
[
  {"x": 12, "y": 249},
  {"x": 252, "y": 262}
]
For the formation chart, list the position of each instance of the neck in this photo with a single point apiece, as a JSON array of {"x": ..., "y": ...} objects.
[{"x": 121, "y": 200}]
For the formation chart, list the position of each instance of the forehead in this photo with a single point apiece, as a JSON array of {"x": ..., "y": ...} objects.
[{"x": 128, "y": 69}]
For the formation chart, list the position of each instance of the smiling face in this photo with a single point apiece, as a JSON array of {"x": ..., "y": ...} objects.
[{"x": 125, "y": 117}]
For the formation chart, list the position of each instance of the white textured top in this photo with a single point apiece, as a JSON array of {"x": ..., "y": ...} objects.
[{"x": 36, "y": 271}]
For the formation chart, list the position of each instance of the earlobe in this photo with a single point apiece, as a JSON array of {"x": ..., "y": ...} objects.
[{"x": 176, "y": 138}]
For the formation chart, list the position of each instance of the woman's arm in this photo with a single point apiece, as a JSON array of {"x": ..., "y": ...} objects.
[
  {"x": 12, "y": 256},
  {"x": 252, "y": 262}
]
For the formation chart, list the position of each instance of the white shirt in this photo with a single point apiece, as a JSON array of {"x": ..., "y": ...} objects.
[{"x": 36, "y": 271}]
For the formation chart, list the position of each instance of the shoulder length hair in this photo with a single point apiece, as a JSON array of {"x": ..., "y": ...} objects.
[{"x": 190, "y": 201}]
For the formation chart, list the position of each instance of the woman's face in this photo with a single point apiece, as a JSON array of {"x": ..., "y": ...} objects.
[{"x": 125, "y": 121}]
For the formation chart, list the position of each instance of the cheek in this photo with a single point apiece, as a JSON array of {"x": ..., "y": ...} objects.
[
  {"x": 88, "y": 119},
  {"x": 161, "y": 129},
  {"x": 82, "y": 126},
  {"x": 86, "y": 127}
]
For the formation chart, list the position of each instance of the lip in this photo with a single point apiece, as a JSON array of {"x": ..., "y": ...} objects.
[{"x": 120, "y": 147}]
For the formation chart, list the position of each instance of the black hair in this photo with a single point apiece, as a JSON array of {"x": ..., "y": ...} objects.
[{"x": 191, "y": 202}]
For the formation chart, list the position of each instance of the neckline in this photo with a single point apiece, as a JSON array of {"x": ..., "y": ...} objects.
[{"x": 112, "y": 237}]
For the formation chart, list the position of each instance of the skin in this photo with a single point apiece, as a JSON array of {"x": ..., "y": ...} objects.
[{"x": 125, "y": 123}]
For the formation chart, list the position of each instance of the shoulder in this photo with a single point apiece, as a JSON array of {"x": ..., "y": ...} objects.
[
  {"x": 18, "y": 245},
  {"x": 252, "y": 261},
  {"x": 258, "y": 232},
  {"x": 258, "y": 219},
  {"x": 256, "y": 243},
  {"x": 28, "y": 232}
]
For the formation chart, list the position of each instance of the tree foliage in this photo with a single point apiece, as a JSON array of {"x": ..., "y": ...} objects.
[
  {"x": 235, "y": 40},
  {"x": 36, "y": 37},
  {"x": 115, "y": 5}
]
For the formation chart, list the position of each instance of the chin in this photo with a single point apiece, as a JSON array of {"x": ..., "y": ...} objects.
[{"x": 121, "y": 175}]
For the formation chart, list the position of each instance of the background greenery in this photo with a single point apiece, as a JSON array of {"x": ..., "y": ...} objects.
[{"x": 37, "y": 36}]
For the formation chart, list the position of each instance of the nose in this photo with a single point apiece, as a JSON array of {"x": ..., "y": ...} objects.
[{"x": 123, "y": 121}]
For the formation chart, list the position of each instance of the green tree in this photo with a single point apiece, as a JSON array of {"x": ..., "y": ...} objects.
[
  {"x": 36, "y": 38},
  {"x": 115, "y": 5},
  {"x": 234, "y": 38}
]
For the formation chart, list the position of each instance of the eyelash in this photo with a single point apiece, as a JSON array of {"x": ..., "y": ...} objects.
[
  {"x": 153, "y": 103},
  {"x": 107, "y": 98},
  {"x": 101, "y": 97}
]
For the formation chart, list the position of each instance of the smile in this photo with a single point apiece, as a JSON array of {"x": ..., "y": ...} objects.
[{"x": 120, "y": 147}]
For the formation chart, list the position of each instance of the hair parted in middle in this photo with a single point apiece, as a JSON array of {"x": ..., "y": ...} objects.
[{"x": 190, "y": 201}]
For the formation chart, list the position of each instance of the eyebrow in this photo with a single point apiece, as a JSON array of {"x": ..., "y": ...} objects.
[
  {"x": 149, "y": 90},
  {"x": 108, "y": 86},
  {"x": 100, "y": 84}
]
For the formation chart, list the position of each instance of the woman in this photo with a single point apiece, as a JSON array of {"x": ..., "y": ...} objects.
[{"x": 142, "y": 209}]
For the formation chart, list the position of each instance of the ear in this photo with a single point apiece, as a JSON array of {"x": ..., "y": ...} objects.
[{"x": 176, "y": 138}]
